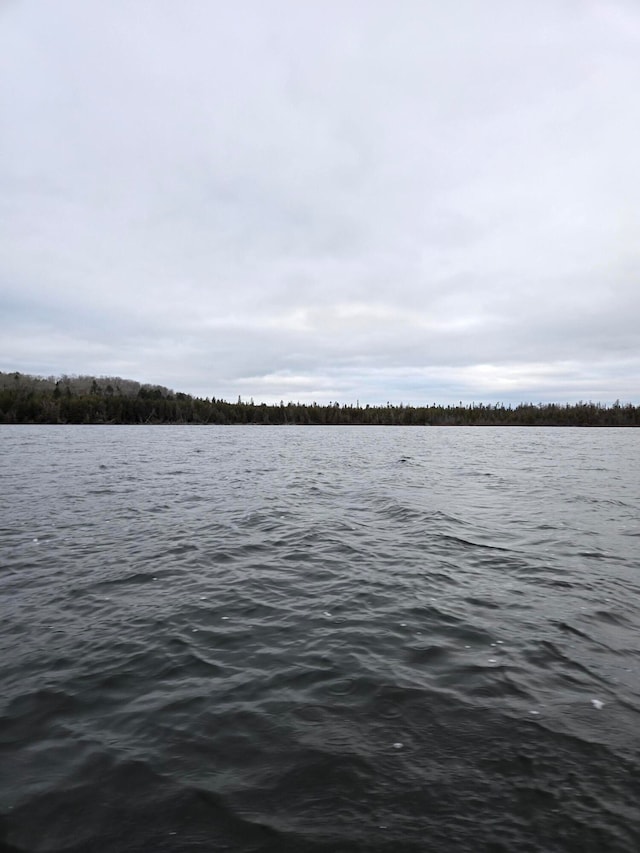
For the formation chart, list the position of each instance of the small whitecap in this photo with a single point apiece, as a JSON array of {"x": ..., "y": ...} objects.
[
  {"x": 398, "y": 745},
  {"x": 403, "y": 624},
  {"x": 499, "y": 642},
  {"x": 597, "y": 703},
  {"x": 203, "y": 598},
  {"x": 36, "y": 539},
  {"x": 224, "y": 617},
  {"x": 492, "y": 660},
  {"x": 534, "y": 712},
  {"x": 326, "y": 613},
  {"x": 194, "y": 630},
  {"x": 467, "y": 647}
]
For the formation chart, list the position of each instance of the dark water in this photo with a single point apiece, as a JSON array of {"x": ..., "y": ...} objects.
[{"x": 319, "y": 639}]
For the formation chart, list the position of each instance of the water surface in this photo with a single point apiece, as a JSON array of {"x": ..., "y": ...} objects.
[{"x": 319, "y": 639}]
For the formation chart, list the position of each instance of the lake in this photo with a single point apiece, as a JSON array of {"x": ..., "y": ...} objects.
[{"x": 322, "y": 639}]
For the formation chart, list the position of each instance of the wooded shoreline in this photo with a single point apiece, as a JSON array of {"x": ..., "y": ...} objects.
[{"x": 27, "y": 399}]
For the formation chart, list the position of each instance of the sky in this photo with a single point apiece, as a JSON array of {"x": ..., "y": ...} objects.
[{"x": 346, "y": 201}]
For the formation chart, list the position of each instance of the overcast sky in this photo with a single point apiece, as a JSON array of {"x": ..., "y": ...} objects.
[{"x": 378, "y": 200}]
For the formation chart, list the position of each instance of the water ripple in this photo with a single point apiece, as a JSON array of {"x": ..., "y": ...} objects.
[{"x": 319, "y": 640}]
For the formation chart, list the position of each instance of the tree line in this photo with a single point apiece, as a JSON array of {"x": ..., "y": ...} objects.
[{"x": 28, "y": 399}]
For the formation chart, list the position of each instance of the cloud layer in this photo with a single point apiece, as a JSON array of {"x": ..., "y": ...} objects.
[{"x": 394, "y": 201}]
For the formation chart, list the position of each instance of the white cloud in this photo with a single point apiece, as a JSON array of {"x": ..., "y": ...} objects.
[{"x": 372, "y": 200}]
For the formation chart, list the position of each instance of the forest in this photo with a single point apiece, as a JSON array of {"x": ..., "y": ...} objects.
[{"x": 26, "y": 399}]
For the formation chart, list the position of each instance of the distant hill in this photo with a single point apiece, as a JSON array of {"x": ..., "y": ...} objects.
[
  {"x": 26, "y": 399},
  {"x": 78, "y": 385}
]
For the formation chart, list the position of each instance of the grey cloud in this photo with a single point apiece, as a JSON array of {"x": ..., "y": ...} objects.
[{"x": 355, "y": 198}]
